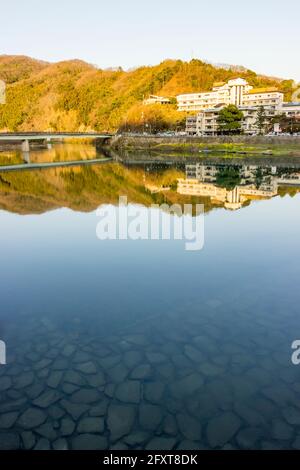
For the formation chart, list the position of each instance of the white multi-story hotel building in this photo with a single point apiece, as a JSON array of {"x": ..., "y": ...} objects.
[{"x": 237, "y": 92}]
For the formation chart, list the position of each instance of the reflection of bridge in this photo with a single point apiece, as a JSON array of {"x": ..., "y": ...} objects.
[{"x": 40, "y": 166}]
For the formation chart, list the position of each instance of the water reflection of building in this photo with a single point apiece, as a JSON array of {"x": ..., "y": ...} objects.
[{"x": 254, "y": 182}]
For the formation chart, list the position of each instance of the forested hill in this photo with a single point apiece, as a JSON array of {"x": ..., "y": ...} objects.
[{"x": 74, "y": 95}]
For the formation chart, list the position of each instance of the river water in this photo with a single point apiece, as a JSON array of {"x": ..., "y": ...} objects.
[{"x": 142, "y": 344}]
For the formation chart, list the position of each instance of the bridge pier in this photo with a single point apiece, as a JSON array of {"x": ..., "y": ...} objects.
[
  {"x": 25, "y": 146},
  {"x": 26, "y": 151}
]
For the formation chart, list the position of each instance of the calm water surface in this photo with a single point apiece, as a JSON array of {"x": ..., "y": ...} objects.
[{"x": 141, "y": 344}]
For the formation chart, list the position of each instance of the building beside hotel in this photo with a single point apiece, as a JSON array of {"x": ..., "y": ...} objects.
[
  {"x": 203, "y": 108},
  {"x": 153, "y": 99}
]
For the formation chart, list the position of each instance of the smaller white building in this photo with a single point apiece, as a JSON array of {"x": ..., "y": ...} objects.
[
  {"x": 291, "y": 109},
  {"x": 154, "y": 99}
]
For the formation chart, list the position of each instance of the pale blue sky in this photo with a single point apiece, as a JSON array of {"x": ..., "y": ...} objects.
[{"x": 263, "y": 35}]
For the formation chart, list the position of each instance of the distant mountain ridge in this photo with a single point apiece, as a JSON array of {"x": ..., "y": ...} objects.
[{"x": 74, "y": 95}]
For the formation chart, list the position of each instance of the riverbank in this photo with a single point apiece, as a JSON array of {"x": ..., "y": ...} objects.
[{"x": 222, "y": 145}]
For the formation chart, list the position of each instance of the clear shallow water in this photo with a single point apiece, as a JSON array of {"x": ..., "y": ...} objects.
[{"x": 141, "y": 344}]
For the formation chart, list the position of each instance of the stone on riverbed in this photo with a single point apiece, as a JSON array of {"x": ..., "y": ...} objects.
[
  {"x": 118, "y": 373},
  {"x": 28, "y": 439},
  {"x": 96, "y": 380},
  {"x": 292, "y": 416},
  {"x": 100, "y": 409},
  {"x": 132, "y": 358},
  {"x": 161, "y": 443},
  {"x": 32, "y": 418},
  {"x": 137, "y": 438},
  {"x": 144, "y": 371},
  {"x": 186, "y": 386},
  {"x": 281, "y": 430},
  {"x": 47, "y": 398},
  {"x": 47, "y": 431},
  {"x": 90, "y": 425},
  {"x": 86, "y": 368},
  {"x": 7, "y": 420},
  {"x": 74, "y": 378},
  {"x": 222, "y": 428},
  {"x": 189, "y": 427},
  {"x": 89, "y": 442},
  {"x": 247, "y": 438},
  {"x": 5, "y": 383},
  {"x": 86, "y": 395},
  {"x": 74, "y": 409},
  {"x": 150, "y": 417},
  {"x": 128, "y": 392},
  {"x": 120, "y": 419},
  {"x": 54, "y": 379},
  {"x": 67, "y": 427},
  {"x": 42, "y": 444},
  {"x": 24, "y": 380},
  {"x": 154, "y": 391},
  {"x": 60, "y": 444},
  {"x": 9, "y": 441}
]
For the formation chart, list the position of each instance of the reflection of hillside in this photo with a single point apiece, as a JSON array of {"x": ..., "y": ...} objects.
[
  {"x": 64, "y": 152},
  {"x": 85, "y": 188}
]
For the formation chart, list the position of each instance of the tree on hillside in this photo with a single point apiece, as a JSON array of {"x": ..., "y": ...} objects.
[
  {"x": 230, "y": 120},
  {"x": 261, "y": 120}
]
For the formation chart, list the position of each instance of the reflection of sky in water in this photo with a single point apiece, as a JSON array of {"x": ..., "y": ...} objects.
[{"x": 54, "y": 260}]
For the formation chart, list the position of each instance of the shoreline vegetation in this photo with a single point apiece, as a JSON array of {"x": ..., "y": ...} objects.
[{"x": 217, "y": 146}]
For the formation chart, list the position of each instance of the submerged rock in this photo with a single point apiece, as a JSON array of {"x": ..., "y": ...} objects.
[
  {"x": 89, "y": 442},
  {"x": 74, "y": 409},
  {"x": 28, "y": 439},
  {"x": 54, "y": 379},
  {"x": 161, "y": 443},
  {"x": 222, "y": 428},
  {"x": 248, "y": 438},
  {"x": 154, "y": 391},
  {"x": 24, "y": 380},
  {"x": 47, "y": 398},
  {"x": 132, "y": 358},
  {"x": 5, "y": 383},
  {"x": 7, "y": 420},
  {"x": 86, "y": 395},
  {"x": 186, "y": 386},
  {"x": 100, "y": 409},
  {"x": 281, "y": 430},
  {"x": 42, "y": 444},
  {"x": 90, "y": 425},
  {"x": 150, "y": 417},
  {"x": 128, "y": 392},
  {"x": 60, "y": 444},
  {"x": 87, "y": 368},
  {"x": 67, "y": 427},
  {"x": 120, "y": 419},
  {"x": 189, "y": 427},
  {"x": 141, "y": 372},
  {"x": 32, "y": 418},
  {"x": 47, "y": 431},
  {"x": 9, "y": 441}
]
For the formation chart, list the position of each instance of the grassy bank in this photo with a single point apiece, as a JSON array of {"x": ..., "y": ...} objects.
[{"x": 217, "y": 146}]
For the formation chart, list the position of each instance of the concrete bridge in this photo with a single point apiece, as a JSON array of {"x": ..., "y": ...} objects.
[{"x": 24, "y": 138}]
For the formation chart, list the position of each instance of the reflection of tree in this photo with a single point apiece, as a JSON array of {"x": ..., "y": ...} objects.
[{"x": 228, "y": 177}]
